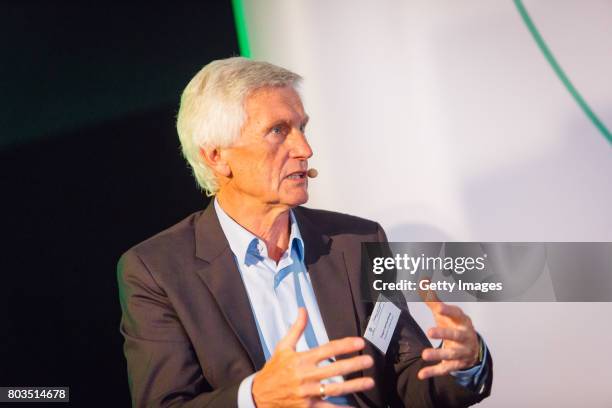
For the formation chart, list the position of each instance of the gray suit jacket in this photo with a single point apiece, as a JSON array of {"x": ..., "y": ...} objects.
[{"x": 190, "y": 335}]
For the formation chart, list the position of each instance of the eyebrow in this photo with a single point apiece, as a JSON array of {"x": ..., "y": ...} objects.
[{"x": 288, "y": 123}]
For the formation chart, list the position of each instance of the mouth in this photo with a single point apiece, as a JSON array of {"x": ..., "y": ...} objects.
[{"x": 297, "y": 175}]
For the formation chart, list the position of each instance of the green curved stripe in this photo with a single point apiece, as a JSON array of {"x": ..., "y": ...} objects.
[
  {"x": 241, "y": 28},
  {"x": 559, "y": 71}
]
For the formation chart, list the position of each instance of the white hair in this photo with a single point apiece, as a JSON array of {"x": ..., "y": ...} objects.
[{"x": 212, "y": 110}]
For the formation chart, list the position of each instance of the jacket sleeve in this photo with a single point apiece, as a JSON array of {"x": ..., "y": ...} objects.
[
  {"x": 163, "y": 370},
  {"x": 407, "y": 346}
]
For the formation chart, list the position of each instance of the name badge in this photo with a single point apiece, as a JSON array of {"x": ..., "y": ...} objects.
[{"x": 382, "y": 324}]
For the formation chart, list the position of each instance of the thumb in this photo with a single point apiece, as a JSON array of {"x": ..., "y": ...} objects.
[{"x": 295, "y": 331}]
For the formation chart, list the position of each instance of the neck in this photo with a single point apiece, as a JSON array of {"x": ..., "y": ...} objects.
[{"x": 270, "y": 223}]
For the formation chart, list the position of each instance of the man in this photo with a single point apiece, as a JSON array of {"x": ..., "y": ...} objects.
[{"x": 255, "y": 300}]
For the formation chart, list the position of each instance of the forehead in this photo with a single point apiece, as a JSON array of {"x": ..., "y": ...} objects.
[{"x": 270, "y": 104}]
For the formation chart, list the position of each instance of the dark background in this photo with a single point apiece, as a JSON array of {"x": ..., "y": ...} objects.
[{"x": 90, "y": 165}]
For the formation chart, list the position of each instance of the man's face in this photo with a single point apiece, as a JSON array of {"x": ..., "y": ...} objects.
[{"x": 269, "y": 160}]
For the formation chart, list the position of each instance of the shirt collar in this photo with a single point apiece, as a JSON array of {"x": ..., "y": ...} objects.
[
  {"x": 242, "y": 242},
  {"x": 295, "y": 238}
]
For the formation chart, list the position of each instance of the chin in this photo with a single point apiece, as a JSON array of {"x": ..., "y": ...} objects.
[{"x": 297, "y": 199}]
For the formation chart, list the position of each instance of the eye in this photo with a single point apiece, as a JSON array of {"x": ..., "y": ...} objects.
[
  {"x": 278, "y": 131},
  {"x": 303, "y": 128}
]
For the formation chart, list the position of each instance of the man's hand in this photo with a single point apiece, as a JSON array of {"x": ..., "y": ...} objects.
[
  {"x": 292, "y": 379},
  {"x": 460, "y": 347}
]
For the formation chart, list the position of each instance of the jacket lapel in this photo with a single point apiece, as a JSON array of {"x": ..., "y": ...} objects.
[
  {"x": 332, "y": 286},
  {"x": 327, "y": 270},
  {"x": 223, "y": 279},
  {"x": 330, "y": 280}
]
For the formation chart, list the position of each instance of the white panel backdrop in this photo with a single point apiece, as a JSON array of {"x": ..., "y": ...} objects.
[{"x": 443, "y": 121}]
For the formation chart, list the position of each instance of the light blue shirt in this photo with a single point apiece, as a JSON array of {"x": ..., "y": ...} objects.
[{"x": 276, "y": 291}]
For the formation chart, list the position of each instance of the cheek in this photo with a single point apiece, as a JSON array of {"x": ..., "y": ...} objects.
[
  {"x": 260, "y": 169},
  {"x": 273, "y": 167},
  {"x": 257, "y": 173}
]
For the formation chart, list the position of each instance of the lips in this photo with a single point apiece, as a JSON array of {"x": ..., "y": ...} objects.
[{"x": 296, "y": 175}]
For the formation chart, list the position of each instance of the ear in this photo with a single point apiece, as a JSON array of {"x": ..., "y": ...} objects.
[{"x": 214, "y": 158}]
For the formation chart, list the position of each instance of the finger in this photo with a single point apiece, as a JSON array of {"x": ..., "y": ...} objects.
[
  {"x": 447, "y": 333},
  {"x": 437, "y": 370},
  {"x": 318, "y": 403},
  {"x": 335, "y": 348},
  {"x": 349, "y": 387},
  {"x": 342, "y": 388},
  {"x": 341, "y": 367},
  {"x": 295, "y": 331},
  {"x": 429, "y": 297},
  {"x": 455, "y": 353},
  {"x": 454, "y": 312}
]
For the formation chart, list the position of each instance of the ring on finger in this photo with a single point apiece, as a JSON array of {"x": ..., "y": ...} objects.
[{"x": 322, "y": 390}]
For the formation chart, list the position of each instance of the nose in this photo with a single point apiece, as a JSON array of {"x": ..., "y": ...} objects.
[{"x": 300, "y": 148}]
